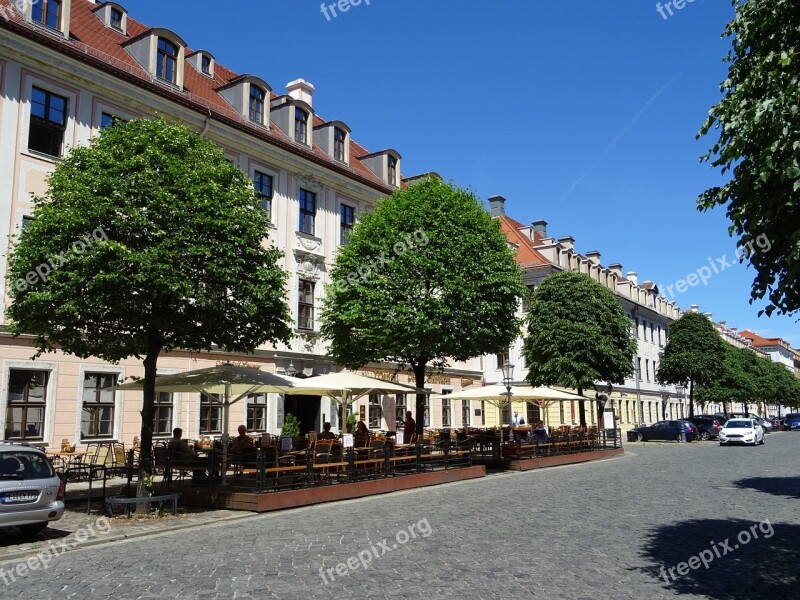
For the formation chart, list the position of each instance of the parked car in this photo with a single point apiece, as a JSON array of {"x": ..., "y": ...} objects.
[
  {"x": 791, "y": 421},
  {"x": 31, "y": 494},
  {"x": 767, "y": 425},
  {"x": 707, "y": 427},
  {"x": 741, "y": 431},
  {"x": 663, "y": 430}
]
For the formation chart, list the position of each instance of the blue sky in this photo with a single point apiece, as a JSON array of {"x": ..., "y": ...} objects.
[{"x": 579, "y": 112}]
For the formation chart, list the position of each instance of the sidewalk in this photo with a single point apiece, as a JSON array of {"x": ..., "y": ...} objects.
[{"x": 76, "y": 529}]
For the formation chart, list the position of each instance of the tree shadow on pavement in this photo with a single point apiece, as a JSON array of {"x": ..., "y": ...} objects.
[
  {"x": 777, "y": 486},
  {"x": 719, "y": 558}
]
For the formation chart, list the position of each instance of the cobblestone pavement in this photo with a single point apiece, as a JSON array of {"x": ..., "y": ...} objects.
[{"x": 595, "y": 530}]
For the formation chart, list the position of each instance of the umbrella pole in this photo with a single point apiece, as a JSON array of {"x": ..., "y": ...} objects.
[{"x": 225, "y": 421}]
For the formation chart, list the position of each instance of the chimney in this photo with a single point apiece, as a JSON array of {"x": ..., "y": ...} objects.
[
  {"x": 300, "y": 89},
  {"x": 632, "y": 277},
  {"x": 567, "y": 241},
  {"x": 594, "y": 256},
  {"x": 723, "y": 324},
  {"x": 708, "y": 316},
  {"x": 616, "y": 269},
  {"x": 694, "y": 308},
  {"x": 497, "y": 206},
  {"x": 539, "y": 227}
]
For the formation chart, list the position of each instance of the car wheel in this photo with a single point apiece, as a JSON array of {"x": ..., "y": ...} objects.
[
  {"x": 639, "y": 437},
  {"x": 34, "y": 528},
  {"x": 762, "y": 441},
  {"x": 705, "y": 436}
]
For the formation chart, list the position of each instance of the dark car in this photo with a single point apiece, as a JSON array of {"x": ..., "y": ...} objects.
[
  {"x": 663, "y": 430},
  {"x": 791, "y": 421},
  {"x": 707, "y": 427}
]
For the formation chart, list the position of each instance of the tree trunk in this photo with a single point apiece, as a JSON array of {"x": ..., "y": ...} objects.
[
  {"x": 419, "y": 381},
  {"x": 691, "y": 398},
  {"x": 148, "y": 408},
  {"x": 581, "y": 408}
]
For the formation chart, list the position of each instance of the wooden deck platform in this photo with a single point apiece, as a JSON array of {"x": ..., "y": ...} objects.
[{"x": 542, "y": 462}]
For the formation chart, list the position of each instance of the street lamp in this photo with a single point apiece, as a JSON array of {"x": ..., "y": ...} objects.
[
  {"x": 679, "y": 391},
  {"x": 508, "y": 380},
  {"x": 603, "y": 396},
  {"x": 291, "y": 371}
]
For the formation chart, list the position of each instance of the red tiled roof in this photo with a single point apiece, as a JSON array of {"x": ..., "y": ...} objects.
[
  {"x": 757, "y": 340},
  {"x": 103, "y": 47},
  {"x": 528, "y": 257}
]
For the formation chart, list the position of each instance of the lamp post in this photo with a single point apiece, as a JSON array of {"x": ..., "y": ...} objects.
[
  {"x": 603, "y": 396},
  {"x": 679, "y": 392},
  {"x": 508, "y": 381}
]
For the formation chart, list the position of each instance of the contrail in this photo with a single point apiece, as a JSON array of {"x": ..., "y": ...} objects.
[{"x": 621, "y": 134}]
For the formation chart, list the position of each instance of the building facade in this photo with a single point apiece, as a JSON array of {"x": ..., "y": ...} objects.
[{"x": 68, "y": 68}]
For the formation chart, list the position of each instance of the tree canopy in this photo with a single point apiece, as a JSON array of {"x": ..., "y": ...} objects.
[
  {"x": 693, "y": 355},
  {"x": 737, "y": 381},
  {"x": 147, "y": 240},
  {"x": 577, "y": 334},
  {"x": 426, "y": 277},
  {"x": 758, "y": 121}
]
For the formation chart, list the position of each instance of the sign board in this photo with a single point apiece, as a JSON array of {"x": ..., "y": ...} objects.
[
  {"x": 286, "y": 443},
  {"x": 398, "y": 437},
  {"x": 608, "y": 419},
  {"x": 347, "y": 440}
]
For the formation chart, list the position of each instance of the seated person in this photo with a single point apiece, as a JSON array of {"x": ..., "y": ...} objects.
[
  {"x": 326, "y": 433},
  {"x": 242, "y": 444},
  {"x": 361, "y": 437},
  {"x": 179, "y": 448}
]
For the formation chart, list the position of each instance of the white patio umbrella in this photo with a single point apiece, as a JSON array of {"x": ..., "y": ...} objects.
[
  {"x": 233, "y": 383},
  {"x": 351, "y": 386}
]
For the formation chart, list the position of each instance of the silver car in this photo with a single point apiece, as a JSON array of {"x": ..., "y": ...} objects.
[{"x": 31, "y": 494}]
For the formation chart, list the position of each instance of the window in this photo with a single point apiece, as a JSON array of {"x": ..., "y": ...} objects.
[
  {"x": 305, "y": 305},
  {"x": 347, "y": 217},
  {"x": 660, "y": 343},
  {"x": 116, "y": 19},
  {"x": 167, "y": 61},
  {"x": 647, "y": 368},
  {"x": 257, "y": 412},
  {"x": 638, "y": 368},
  {"x": 375, "y": 411},
  {"x": 48, "y": 122},
  {"x": 506, "y": 414},
  {"x": 256, "y": 104},
  {"x": 27, "y": 398},
  {"x": 210, "y": 413},
  {"x": 97, "y": 418},
  {"x": 652, "y": 332},
  {"x": 339, "y": 138},
  {"x": 392, "y": 170},
  {"x": 162, "y": 415},
  {"x": 502, "y": 358},
  {"x": 446, "y": 409},
  {"x": 636, "y": 320},
  {"x": 561, "y": 412},
  {"x": 205, "y": 66},
  {"x": 400, "y": 408},
  {"x": 300, "y": 126},
  {"x": 534, "y": 413},
  {"x": 426, "y": 413},
  {"x": 47, "y": 12},
  {"x": 107, "y": 120},
  {"x": 308, "y": 211},
  {"x": 263, "y": 184},
  {"x": 465, "y": 416},
  {"x": 26, "y": 221}
]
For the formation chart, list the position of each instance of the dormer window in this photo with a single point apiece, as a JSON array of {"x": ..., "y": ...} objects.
[
  {"x": 256, "y": 104},
  {"x": 339, "y": 137},
  {"x": 115, "y": 19},
  {"x": 47, "y": 12},
  {"x": 300, "y": 126},
  {"x": 167, "y": 61},
  {"x": 392, "y": 170},
  {"x": 205, "y": 65}
]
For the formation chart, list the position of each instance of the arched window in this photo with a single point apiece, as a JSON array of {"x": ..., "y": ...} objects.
[
  {"x": 256, "y": 104},
  {"x": 339, "y": 137},
  {"x": 300, "y": 126},
  {"x": 167, "y": 61}
]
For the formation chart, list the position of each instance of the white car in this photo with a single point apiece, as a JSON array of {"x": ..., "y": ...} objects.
[{"x": 741, "y": 431}]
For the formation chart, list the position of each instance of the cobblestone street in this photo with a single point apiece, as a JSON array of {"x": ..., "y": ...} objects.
[{"x": 587, "y": 531}]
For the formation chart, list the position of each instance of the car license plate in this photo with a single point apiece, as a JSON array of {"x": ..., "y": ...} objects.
[{"x": 17, "y": 497}]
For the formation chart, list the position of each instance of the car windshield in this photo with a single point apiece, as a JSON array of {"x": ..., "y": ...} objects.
[
  {"x": 24, "y": 464},
  {"x": 793, "y": 416},
  {"x": 738, "y": 425}
]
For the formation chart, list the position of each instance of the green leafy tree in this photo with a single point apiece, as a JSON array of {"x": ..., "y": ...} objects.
[
  {"x": 693, "y": 355},
  {"x": 578, "y": 334},
  {"x": 736, "y": 382},
  {"x": 426, "y": 277},
  {"x": 758, "y": 121},
  {"x": 780, "y": 386},
  {"x": 146, "y": 241}
]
